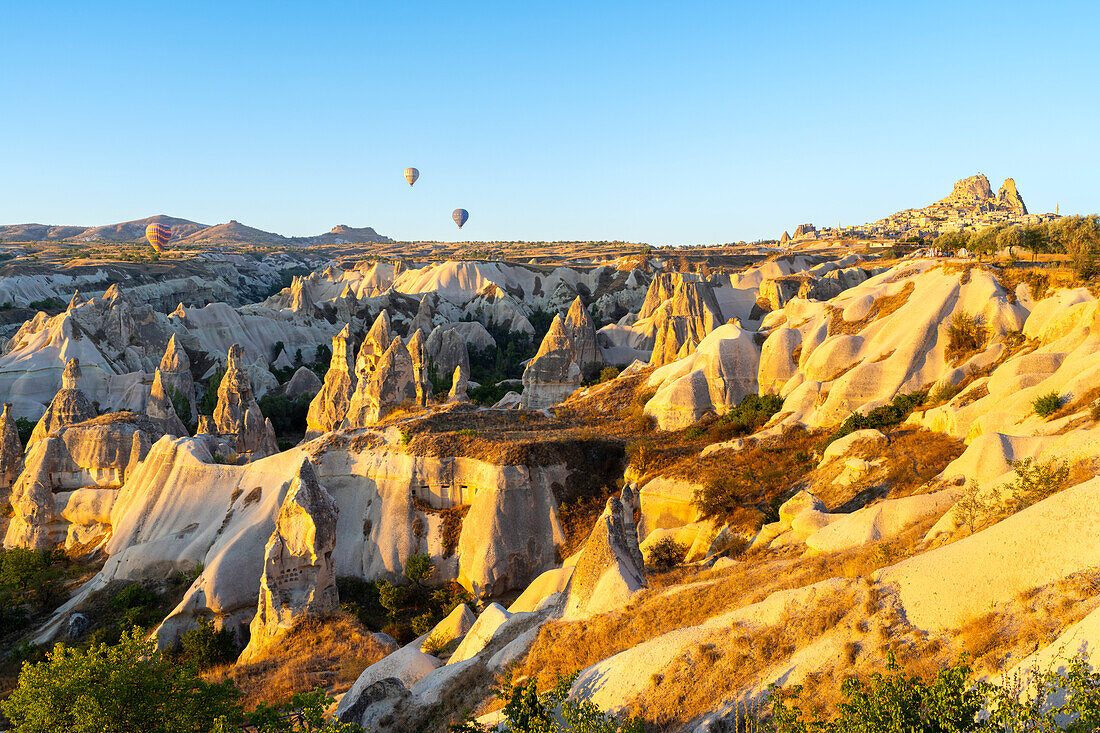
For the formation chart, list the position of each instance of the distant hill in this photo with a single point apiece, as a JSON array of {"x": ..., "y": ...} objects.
[{"x": 184, "y": 231}]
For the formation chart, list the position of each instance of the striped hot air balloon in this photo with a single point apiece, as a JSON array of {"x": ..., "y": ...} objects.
[
  {"x": 460, "y": 216},
  {"x": 411, "y": 174},
  {"x": 158, "y": 235}
]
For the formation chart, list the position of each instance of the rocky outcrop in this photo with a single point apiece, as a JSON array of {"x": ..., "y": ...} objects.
[
  {"x": 378, "y": 339},
  {"x": 1010, "y": 198},
  {"x": 777, "y": 362},
  {"x": 775, "y": 292},
  {"x": 553, "y": 374},
  {"x": 71, "y": 477},
  {"x": 390, "y": 384},
  {"x": 159, "y": 407},
  {"x": 421, "y": 376},
  {"x": 304, "y": 383},
  {"x": 330, "y": 405},
  {"x": 422, "y": 321},
  {"x": 68, "y": 407},
  {"x": 446, "y": 346},
  {"x": 237, "y": 414},
  {"x": 716, "y": 377},
  {"x": 578, "y": 324},
  {"x": 804, "y": 229},
  {"x": 458, "y": 387},
  {"x": 683, "y": 319},
  {"x": 11, "y": 451},
  {"x": 607, "y": 573},
  {"x": 300, "y": 298},
  {"x": 299, "y": 577},
  {"x": 175, "y": 371},
  {"x": 784, "y": 240}
]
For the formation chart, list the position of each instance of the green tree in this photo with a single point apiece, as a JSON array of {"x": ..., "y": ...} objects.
[{"x": 115, "y": 689}]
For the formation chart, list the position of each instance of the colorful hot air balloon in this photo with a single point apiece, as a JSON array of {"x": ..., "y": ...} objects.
[
  {"x": 460, "y": 216},
  {"x": 411, "y": 174},
  {"x": 158, "y": 235}
]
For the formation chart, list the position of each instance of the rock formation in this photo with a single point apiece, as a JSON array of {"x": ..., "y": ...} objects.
[
  {"x": 304, "y": 383},
  {"x": 422, "y": 321},
  {"x": 11, "y": 451},
  {"x": 390, "y": 384},
  {"x": 458, "y": 387},
  {"x": 300, "y": 298},
  {"x": 446, "y": 348},
  {"x": 804, "y": 229},
  {"x": 238, "y": 415},
  {"x": 424, "y": 387},
  {"x": 330, "y": 405},
  {"x": 784, "y": 240},
  {"x": 683, "y": 320},
  {"x": 553, "y": 374},
  {"x": 68, "y": 407},
  {"x": 374, "y": 345},
  {"x": 299, "y": 576},
  {"x": 1009, "y": 197},
  {"x": 607, "y": 573},
  {"x": 578, "y": 324},
  {"x": 175, "y": 371},
  {"x": 159, "y": 407}
]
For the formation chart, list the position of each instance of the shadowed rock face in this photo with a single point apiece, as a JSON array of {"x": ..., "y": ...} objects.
[
  {"x": 607, "y": 572},
  {"x": 175, "y": 372},
  {"x": 68, "y": 407},
  {"x": 330, "y": 405},
  {"x": 303, "y": 383},
  {"x": 159, "y": 406},
  {"x": 579, "y": 326},
  {"x": 445, "y": 348},
  {"x": 238, "y": 414},
  {"x": 553, "y": 374},
  {"x": 420, "y": 368},
  {"x": 11, "y": 451},
  {"x": 683, "y": 320},
  {"x": 299, "y": 578}
]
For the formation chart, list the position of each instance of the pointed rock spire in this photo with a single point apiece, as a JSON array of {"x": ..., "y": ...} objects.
[
  {"x": 11, "y": 451},
  {"x": 299, "y": 577},
  {"x": 578, "y": 324},
  {"x": 68, "y": 407},
  {"x": 390, "y": 384},
  {"x": 238, "y": 414},
  {"x": 159, "y": 406},
  {"x": 330, "y": 405},
  {"x": 553, "y": 374}
]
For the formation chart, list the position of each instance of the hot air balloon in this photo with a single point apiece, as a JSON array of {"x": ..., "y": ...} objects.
[
  {"x": 411, "y": 174},
  {"x": 158, "y": 235},
  {"x": 460, "y": 216}
]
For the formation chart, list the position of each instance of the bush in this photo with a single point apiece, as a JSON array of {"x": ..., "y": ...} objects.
[
  {"x": 526, "y": 711},
  {"x": 608, "y": 373},
  {"x": 25, "y": 428},
  {"x": 751, "y": 414},
  {"x": 207, "y": 647},
  {"x": 880, "y": 418},
  {"x": 75, "y": 691},
  {"x": 966, "y": 334},
  {"x": 180, "y": 404},
  {"x": 209, "y": 399},
  {"x": 666, "y": 554},
  {"x": 1048, "y": 404},
  {"x": 288, "y": 417}
]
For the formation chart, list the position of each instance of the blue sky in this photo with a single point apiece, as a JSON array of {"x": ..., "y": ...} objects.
[{"x": 685, "y": 123}]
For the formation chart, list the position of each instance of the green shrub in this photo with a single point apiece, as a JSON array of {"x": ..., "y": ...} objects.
[
  {"x": 751, "y": 414},
  {"x": 666, "y": 554},
  {"x": 608, "y": 373},
  {"x": 288, "y": 417},
  {"x": 526, "y": 711},
  {"x": 209, "y": 399},
  {"x": 1048, "y": 404},
  {"x": 207, "y": 646},
  {"x": 1036, "y": 481},
  {"x": 180, "y": 404},
  {"x": 25, "y": 428},
  {"x": 128, "y": 686},
  {"x": 880, "y": 418}
]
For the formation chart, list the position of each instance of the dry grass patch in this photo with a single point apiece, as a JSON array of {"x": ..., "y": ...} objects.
[
  {"x": 329, "y": 653},
  {"x": 714, "y": 672},
  {"x": 881, "y": 308}
]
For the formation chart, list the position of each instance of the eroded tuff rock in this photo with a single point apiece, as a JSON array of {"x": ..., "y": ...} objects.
[
  {"x": 458, "y": 387},
  {"x": 304, "y": 383},
  {"x": 378, "y": 339},
  {"x": 159, "y": 407},
  {"x": 446, "y": 346},
  {"x": 716, "y": 377},
  {"x": 389, "y": 384},
  {"x": 238, "y": 415},
  {"x": 175, "y": 371},
  {"x": 300, "y": 298},
  {"x": 420, "y": 368},
  {"x": 553, "y": 374},
  {"x": 299, "y": 577},
  {"x": 71, "y": 477},
  {"x": 683, "y": 319},
  {"x": 330, "y": 405},
  {"x": 68, "y": 407},
  {"x": 578, "y": 324},
  {"x": 11, "y": 451},
  {"x": 607, "y": 573},
  {"x": 1010, "y": 197}
]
